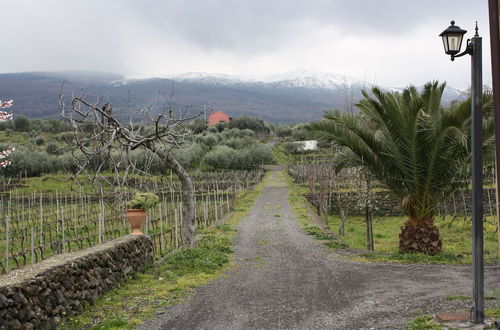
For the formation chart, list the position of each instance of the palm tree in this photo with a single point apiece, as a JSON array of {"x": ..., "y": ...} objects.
[{"x": 419, "y": 150}]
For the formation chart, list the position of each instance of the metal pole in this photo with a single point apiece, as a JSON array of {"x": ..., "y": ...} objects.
[
  {"x": 477, "y": 181},
  {"x": 495, "y": 74}
]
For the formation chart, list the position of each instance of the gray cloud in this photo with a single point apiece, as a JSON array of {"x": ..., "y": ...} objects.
[
  {"x": 170, "y": 36},
  {"x": 261, "y": 25}
]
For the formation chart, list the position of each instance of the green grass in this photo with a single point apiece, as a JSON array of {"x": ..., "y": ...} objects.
[
  {"x": 12, "y": 137},
  {"x": 423, "y": 323},
  {"x": 456, "y": 237},
  {"x": 317, "y": 232},
  {"x": 126, "y": 306},
  {"x": 493, "y": 313},
  {"x": 297, "y": 202},
  {"x": 461, "y": 298},
  {"x": 280, "y": 156}
]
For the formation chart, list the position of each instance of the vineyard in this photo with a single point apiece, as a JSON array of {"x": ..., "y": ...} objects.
[
  {"x": 39, "y": 225},
  {"x": 347, "y": 190}
]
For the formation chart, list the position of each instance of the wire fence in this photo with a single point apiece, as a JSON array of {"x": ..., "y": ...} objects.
[
  {"x": 35, "y": 227},
  {"x": 347, "y": 191}
]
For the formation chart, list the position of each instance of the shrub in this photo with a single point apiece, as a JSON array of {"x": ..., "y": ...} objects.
[
  {"x": 52, "y": 149},
  {"x": 198, "y": 126},
  {"x": 225, "y": 157},
  {"x": 237, "y": 133},
  {"x": 39, "y": 141},
  {"x": 240, "y": 143},
  {"x": 292, "y": 148},
  {"x": 299, "y": 132},
  {"x": 22, "y": 124},
  {"x": 189, "y": 154},
  {"x": 209, "y": 139},
  {"x": 255, "y": 124},
  {"x": 143, "y": 201},
  {"x": 221, "y": 157},
  {"x": 282, "y": 131}
]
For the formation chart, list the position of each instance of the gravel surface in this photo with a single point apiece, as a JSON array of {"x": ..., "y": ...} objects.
[{"x": 285, "y": 279}]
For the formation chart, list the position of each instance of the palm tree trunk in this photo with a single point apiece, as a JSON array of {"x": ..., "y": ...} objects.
[{"x": 420, "y": 235}]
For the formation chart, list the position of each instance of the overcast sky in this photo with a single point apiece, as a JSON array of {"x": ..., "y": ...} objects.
[{"x": 387, "y": 42}]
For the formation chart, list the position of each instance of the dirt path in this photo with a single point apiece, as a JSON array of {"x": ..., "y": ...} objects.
[{"x": 285, "y": 279}]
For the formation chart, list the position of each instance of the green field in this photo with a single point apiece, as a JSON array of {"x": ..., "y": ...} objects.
[{"x": 456, "y": 237}]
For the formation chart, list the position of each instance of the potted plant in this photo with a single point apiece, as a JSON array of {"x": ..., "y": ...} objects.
[{"x": 137, "y": 210}]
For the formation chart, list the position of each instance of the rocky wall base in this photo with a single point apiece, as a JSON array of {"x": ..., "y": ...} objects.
[{"x": 38, "y": 296}]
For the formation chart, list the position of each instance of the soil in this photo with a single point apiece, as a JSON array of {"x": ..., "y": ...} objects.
[{"x": 284, "y": 279}]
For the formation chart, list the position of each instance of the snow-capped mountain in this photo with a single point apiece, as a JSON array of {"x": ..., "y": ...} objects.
[
  {"x": 291, "y": 97},
  {"x": 311, "y": 79},
  {"x": 292, "y": 79}
]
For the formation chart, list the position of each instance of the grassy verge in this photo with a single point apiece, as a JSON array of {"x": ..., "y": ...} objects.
[
  {"x": 280, "y": 156},
  {"x": 455, "y": 234},
  {"x": 169, "y": 281},
  {"x": 297, "y": 202},
  {"x": 456, "y": 237},
  {"x": 423, "y": 322}
]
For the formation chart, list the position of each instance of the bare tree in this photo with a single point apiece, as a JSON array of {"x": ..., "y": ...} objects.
[
  {"x": 365, "y": 202},
  {"x": 102, "y": 141},
  {"x": 343, "y": 207},
  {"x": 321, "y": 180}
]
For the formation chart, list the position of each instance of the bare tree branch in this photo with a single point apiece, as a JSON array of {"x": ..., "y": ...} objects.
[{"x": 103, "y": 143}]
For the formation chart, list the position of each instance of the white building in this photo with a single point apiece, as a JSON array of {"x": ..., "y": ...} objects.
[{"x": 307, "y": 145}]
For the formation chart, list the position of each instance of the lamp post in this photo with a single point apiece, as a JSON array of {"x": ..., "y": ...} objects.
[{"x": 452, "y": 41}]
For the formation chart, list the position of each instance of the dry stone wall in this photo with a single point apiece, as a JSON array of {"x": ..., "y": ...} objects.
[
  {"x": 37, "y": 297},
  {"x": 460, "y": 204}
]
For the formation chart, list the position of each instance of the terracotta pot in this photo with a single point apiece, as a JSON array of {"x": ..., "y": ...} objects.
[{"x": 136, "y": 217}]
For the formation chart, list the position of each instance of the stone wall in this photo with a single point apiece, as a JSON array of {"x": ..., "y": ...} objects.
[
  {"x": 36, "y": 297},
  {"x": 459, "y": 204}
]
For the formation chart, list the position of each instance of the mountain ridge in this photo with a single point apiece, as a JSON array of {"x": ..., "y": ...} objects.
[{"x": 297, "y": 96}]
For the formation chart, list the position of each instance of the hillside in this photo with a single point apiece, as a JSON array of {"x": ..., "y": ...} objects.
[{"x": 298, "y": 96}]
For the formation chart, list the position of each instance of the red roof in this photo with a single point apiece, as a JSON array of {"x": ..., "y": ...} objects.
[{"x": 218, "y": 117}]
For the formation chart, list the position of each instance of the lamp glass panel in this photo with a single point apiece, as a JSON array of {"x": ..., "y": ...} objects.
[
  {"x": 445, "y": 43},
  {"x": 454, "y": 42}
]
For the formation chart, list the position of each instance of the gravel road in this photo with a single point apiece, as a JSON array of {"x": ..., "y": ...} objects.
[{"x": 285, "y": 279}]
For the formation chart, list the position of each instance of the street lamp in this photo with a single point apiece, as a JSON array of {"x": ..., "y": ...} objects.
[{"x": 452, "y": 41}]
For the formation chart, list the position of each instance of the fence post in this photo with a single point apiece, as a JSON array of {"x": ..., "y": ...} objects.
[
  {"x": 32, "y": 245},
  {"x": 63, "y": 230},
  {"x": 176, "y": 227},
  {"x": 41, "y": 219},
  {"x": 7, "y": 238}
]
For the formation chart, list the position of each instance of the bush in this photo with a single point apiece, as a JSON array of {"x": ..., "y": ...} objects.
[
  {"x": 39, "y": 141},
  {"x": 254, "y": 156},
  {"x": 189, "y": 154},
  {"x": 52, "y": 149},
  {"x": 198, "y": 126},
  {"x": 209, "y": 139},
  {"x": 240, "y": 143},
  {"x": 220, "y": 157},
  {"x": 237, "y": 133},
  {"x": 282, "y": 131},
  {"x": 292, "y": 148},
  {"x": 255, "y": 124},
  {"x": 225, "y": 157},
  {"x": 299, "y": 133},
  {"x": 22, "y": 124}
]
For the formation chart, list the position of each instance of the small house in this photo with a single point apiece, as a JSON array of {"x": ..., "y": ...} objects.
[{"x": 218, "y": 117}]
